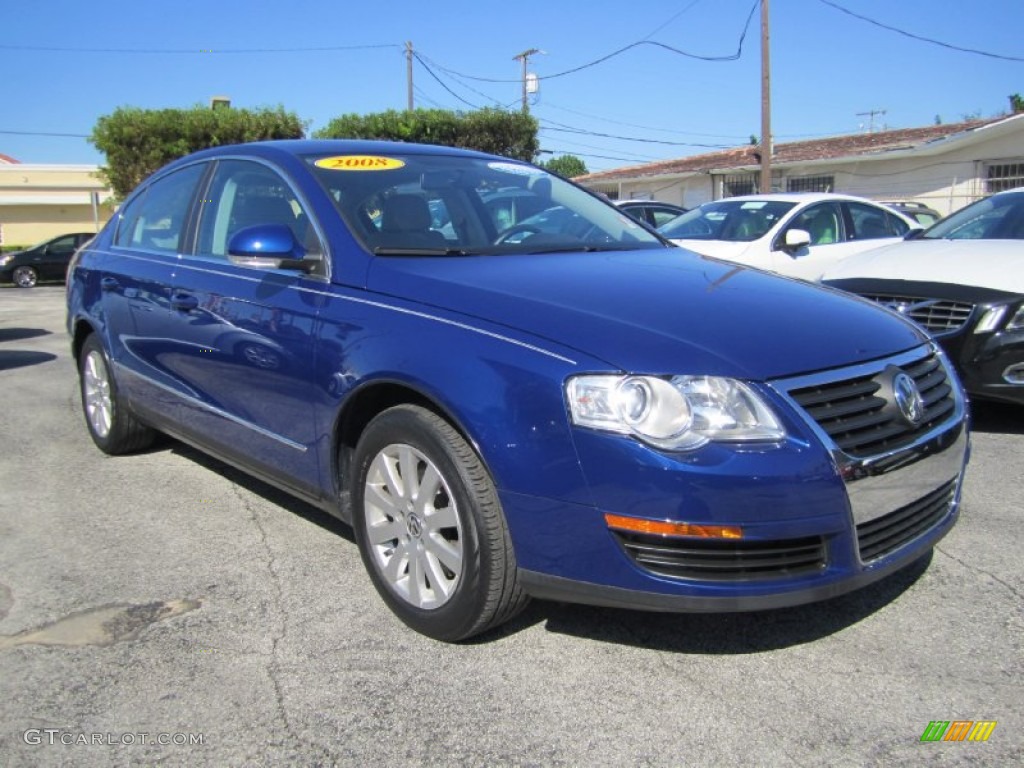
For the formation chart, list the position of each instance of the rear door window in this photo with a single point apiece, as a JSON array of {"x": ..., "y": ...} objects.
[{"x": 156, "y": 219}]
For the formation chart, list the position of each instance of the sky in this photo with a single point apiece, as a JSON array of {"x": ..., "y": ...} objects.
[{"x": 620, "y": 83}]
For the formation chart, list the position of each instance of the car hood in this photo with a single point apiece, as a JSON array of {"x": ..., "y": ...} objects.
[
  {"x": 660, "y": 311},
  {"x": 995, "y": 264}
]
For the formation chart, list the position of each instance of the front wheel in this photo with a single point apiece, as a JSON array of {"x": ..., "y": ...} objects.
[
  {"x": 25, "y": 277},
  {"x": 112, "y": 426},
  {"x": 430, "y": 528}
]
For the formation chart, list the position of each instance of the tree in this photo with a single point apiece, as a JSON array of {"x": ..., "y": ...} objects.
[
  {"x": 138, "y": 142},
  {"x": 510, "y": 134},
  {"x": 1016, "y": 103},
  {"x": 568, "y": 166}
]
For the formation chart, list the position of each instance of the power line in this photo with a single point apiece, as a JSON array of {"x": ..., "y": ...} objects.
[
  {"x": 646, "y": 127},
  {"x": 441, "y": 82},
  {"x": 200, "y": 51},
  {"x": 43, "y": 133},
  {"x": 613, "y": 54},
  {"x": 922, "y": 38},
  {"x": 563, "y": 128}
]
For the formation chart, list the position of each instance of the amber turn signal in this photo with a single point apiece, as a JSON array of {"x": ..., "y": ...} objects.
[{"x": 668, "y": 528}]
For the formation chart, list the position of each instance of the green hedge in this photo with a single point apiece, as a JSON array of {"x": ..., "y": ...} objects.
[
  {"x": 138, "y": 142},
  {"x": 510, "y": 134}
]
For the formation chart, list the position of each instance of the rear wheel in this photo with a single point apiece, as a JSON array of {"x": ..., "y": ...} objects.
[
  {"x": 430, "y": 527},
  {"x": 25, "y": 277},
  {"x": 112, "y": 426}
]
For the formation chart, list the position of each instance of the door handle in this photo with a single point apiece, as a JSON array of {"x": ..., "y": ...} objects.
[{"x": 184, "y": 302}]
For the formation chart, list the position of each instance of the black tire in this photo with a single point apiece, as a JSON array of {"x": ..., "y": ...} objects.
[
  {"x": 113, "y": 428},
  {"x": 25, "y": 277},
  {"x": 443, "y": 597}
]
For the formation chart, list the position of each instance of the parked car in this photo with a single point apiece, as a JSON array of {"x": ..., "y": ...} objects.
[
  {"x": 963, "y": 281},
  {"x": 800, "y": 235},
  {"x": 651, "y": 212},
  {"x": 583, "y": 414},
  {"x": 919, "y": 212},
  {"x": 47, "y": 261}
]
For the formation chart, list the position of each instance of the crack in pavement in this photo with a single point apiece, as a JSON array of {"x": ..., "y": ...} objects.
[
  {"x": 276, "y": 638},
  {"x": 975, "y": 569}
]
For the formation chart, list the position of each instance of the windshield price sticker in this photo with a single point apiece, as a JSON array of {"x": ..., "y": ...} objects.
[{"x": 359, "y": 163}]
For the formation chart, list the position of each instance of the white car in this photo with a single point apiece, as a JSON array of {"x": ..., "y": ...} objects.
[
  {"x": 799, "y": 234},
  {"x": 963, "y": 281}
]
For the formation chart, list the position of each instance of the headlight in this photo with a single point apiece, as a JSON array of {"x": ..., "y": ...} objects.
[
  {"x": 4, "y": 260},
  {"x": 681, "y": 413}
]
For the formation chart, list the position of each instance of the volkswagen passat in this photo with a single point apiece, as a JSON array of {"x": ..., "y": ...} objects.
[{"x": 589, "y": 415}]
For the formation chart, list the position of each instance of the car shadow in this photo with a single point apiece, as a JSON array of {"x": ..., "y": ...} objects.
[
  {"x": 997, "y": 418},
  {"x": 703, "y": 633},
  {"x": 264, "y": 490},
  {"x": 715, "y": 633},
  {"x": 17, "y": 334},
  {"x": 16, "y": 358}
]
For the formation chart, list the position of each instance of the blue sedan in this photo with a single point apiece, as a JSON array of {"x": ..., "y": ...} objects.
[{"x": 503, "y": 410}]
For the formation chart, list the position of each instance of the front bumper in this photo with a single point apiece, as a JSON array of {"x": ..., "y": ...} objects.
[{"x": 818, "y": 519}]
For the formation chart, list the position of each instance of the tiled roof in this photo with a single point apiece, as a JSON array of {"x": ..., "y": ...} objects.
[{"x": 794, "y": 152}]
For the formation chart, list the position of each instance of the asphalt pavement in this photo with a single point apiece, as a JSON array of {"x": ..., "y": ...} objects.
[{"x": 163, "y": 608}]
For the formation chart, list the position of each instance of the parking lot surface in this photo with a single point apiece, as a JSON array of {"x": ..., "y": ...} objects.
[{"x": 164, "y": 608}]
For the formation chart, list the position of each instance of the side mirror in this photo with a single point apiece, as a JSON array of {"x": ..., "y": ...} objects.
[
  {"x": 913, "y": 233},
  {"x": 796, "y": 239},
  {"x": 268, "y": 246}
]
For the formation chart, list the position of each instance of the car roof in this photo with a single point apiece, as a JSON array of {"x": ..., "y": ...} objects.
[
  {"x": 300, "y": 147},
  {"x": 795, "y": 197}
]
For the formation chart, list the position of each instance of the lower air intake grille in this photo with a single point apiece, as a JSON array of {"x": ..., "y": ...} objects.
[
  {"x": 722, "y": 560},
  {"x": 890, "y": 532}
]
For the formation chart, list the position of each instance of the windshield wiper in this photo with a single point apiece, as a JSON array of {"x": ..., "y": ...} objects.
[{"x": 382, "y": 251}]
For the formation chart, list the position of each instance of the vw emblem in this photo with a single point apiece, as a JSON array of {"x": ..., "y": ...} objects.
[{"x": 908, "y": 398}]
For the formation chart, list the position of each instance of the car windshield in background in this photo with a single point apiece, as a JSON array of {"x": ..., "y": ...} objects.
[
  {"x": 731, "y": 220},
  {"x": 408, "y": 205},
  {"x": 1000, "y": 217}
]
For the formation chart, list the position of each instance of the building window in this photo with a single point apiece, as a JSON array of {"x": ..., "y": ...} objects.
[
  {"x": 810, "y": 184},
  {"x": 1004, "y": 176},
  {"x": 739, "y": 184}
]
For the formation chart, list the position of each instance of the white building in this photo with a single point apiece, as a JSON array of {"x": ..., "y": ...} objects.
[
  {"x": 40, "y": 201},
  {"x": 942, "y": 166}
]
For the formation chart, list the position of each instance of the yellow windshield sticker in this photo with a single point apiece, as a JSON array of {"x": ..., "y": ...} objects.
[{"x": 359, "y": 163}]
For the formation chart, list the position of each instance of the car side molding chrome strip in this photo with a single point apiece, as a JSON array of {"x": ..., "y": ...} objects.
[{"x": 121, "y": 369}]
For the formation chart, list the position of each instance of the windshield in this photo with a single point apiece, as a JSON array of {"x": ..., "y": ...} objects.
[
  {"x": 412, "y": 204},
  {"x": 1000, "y": 217},
  {"x": 732, "y": 220}
]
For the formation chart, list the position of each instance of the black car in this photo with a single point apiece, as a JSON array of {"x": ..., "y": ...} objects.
[
  {"x": 962, "y": 280},
  {"x": 651, "y": 212},
  {"x": 46, "y": 261},
  {"x": 919, "y": 212}
]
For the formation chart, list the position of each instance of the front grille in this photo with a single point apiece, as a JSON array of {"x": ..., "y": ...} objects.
[
  {"x": 890, "y": 532},
  {"x": 861, "y": 416},
  {"x": 934, "y": 315},
  {"x": 721, "y": 560}
]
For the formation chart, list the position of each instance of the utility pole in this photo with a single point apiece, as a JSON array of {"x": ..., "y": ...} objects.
[
  {"x": 524, "y": 57},
  {"x": 408, "y": 75},
  {"x": 766, "y": 104}
]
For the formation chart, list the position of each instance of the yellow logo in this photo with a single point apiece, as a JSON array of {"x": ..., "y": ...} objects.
[{"x": 359, "y": 163}]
